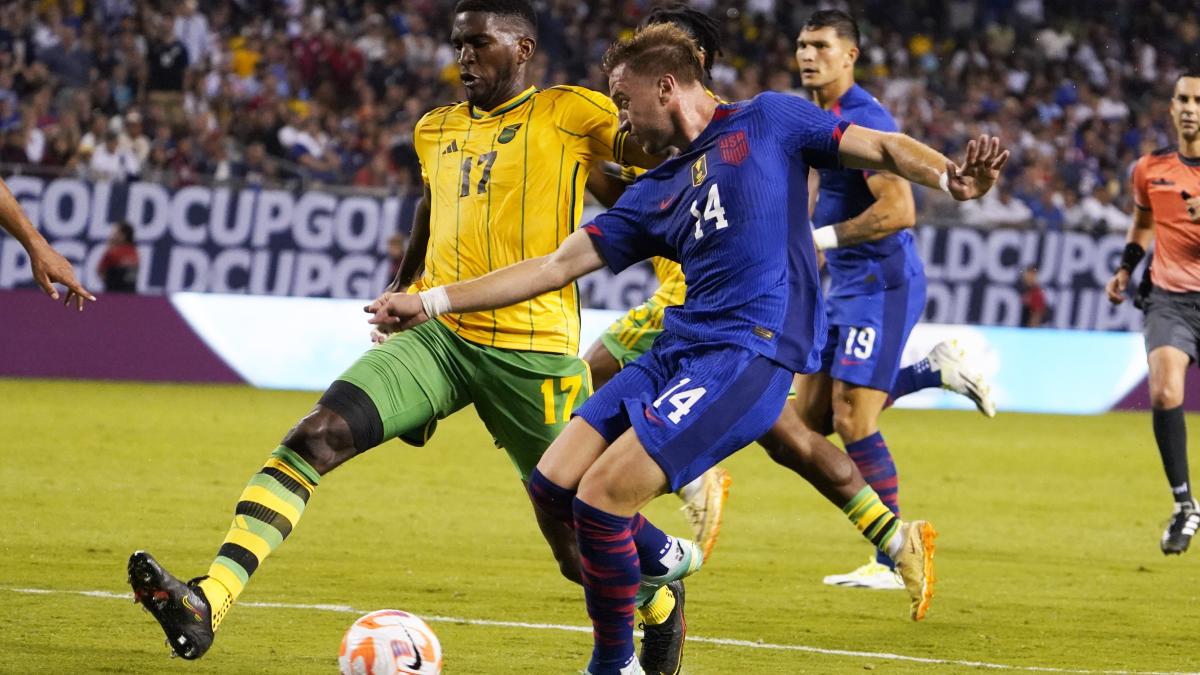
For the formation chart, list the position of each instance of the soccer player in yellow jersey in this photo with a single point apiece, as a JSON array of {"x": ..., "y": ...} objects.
[{"x": 504, "y": 173}]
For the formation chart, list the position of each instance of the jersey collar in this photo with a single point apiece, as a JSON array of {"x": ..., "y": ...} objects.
[
  {"x": 507, "y": 106},
  {"x": 1189, "y": 161}
]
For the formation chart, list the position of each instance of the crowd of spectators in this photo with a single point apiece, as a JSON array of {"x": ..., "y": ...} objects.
[{"x": 327, "y": 91}]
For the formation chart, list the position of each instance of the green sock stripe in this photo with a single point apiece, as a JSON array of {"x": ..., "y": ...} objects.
[
  {"x": 265, "y": 531},
  {"x": 887, "y": 534},
  {"x": 864, "y": 495},
  {"x": 232, "y": 566},
  {"x": 297, "y": 462},
  {"x": 878, "y": 525},
  {"x": 268, "y": 483}
]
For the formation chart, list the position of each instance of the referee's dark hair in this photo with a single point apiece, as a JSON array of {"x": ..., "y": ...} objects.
[
  {"x": 842, "y": 23},
  {"x": 702, "y": 28},
  {"x": 518, "y": 9}
]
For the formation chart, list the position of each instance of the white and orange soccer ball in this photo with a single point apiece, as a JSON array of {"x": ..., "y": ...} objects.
[{"x": 390, "y": 642}]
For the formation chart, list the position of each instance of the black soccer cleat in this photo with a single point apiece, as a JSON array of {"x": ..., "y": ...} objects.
[
  {"x": 181, "y": 609},
  {"x": 662, "y": 644},
  {"x": 1184, "y": 523}
]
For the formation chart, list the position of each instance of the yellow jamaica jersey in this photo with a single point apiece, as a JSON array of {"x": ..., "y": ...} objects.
[
  {"x": 671, "y": 287},
  {"x": 507, "y": 185}
]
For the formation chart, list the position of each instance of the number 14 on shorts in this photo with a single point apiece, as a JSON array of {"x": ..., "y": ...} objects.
[{"x": 681, "y": 400}]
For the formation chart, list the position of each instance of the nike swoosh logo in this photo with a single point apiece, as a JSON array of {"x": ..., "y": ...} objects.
[
  {"x": 188, "y": 603},
  {"x": 665, "y": 203},
  {"x": 416, "y": 662}
]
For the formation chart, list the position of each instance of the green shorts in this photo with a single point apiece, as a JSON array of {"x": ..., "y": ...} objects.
[
  {"x": 421, "y": 375},
  {"x": 631, "y": 336}
]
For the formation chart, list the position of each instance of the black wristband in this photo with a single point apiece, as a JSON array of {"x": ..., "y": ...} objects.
[{"x": 1131, "y": 256}]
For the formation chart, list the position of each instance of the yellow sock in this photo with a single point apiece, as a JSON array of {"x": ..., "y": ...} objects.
[
  {"x": 661, "y": 604},
  {"x": 266, "y": 513},
  {"x": 876, "y": 522}
]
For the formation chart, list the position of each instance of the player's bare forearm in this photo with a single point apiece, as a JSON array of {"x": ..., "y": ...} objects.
[
  {"x": 14, "y": 221},
  {"x": 863, "y": 148},
  {"x": 892, "y": 210},
  {"x": 526, "y": 280},
  {"x": 605, "y": 184},
  {"x": 418, "y": 244},
  {"x": 1142, "y": 232},
  {"x": 921, "y": 164}
]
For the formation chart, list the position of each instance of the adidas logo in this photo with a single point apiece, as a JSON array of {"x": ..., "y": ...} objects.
[{"x": 453, "y": 147}]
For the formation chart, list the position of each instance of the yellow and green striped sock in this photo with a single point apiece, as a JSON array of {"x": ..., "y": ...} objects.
[
  {"x": 266, "y": 513},
  {"x": 869, "y": 514}
]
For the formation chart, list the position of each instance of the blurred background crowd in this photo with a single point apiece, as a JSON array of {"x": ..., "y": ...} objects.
[{"x": 311, "y": 92}]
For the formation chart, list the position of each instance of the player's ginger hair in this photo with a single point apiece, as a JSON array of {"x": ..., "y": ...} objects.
[{"x": 657, "y": 50}]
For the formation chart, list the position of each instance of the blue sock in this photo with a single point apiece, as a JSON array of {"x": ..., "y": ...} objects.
[
  {"x": 916, "y": 377},
  {"x": 610, "y": 582},
  {"x": 652, "y": 544},
  {"x": 874, "y": 461},
  {"x": 553, "y": 500}
]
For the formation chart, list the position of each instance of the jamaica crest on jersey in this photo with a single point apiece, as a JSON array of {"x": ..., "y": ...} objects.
[{"x": 508, "y": 133}]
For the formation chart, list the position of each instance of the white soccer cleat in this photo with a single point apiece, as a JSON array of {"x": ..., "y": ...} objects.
[
  {"x": 949, "y": 359},
  {"x": 704, "y": 506},
  {"x": 873, "y": 575}
]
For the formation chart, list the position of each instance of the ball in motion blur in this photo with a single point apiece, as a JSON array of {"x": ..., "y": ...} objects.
[{"x": 390, "y": 642}]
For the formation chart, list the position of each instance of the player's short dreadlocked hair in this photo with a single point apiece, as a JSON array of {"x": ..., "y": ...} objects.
[
  {"x": 702, "y": 28},
  {"x": 842, "y": 23},
  {"x": 658, "y": 49},
  {"x": 520, "y": 9}
]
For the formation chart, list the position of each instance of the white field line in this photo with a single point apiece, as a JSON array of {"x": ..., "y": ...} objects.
[{"x": 728, "y": 642}]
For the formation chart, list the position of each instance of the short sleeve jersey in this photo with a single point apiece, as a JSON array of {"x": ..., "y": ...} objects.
[
  {"x": 872, "y": 266},
  {"x": 732, "y": 209},
  {"x": 507, "y": 185},
  {"x": 1160, "y": 180}
]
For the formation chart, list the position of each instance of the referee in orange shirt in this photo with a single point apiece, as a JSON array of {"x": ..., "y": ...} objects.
[{"x": 1166, "y": 189}]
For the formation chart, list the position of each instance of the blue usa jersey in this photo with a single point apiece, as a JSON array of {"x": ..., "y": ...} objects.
[
  {"x": 872, "y": 266},
  {"x": 732, "y": 209}
]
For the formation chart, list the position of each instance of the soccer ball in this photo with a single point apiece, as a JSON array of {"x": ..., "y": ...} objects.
[{"x": 390, "y": 642}]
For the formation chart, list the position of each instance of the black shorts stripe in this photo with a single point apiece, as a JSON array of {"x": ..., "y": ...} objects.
[
  {"x": 240, "y": 555},
  {"x": 266, "y": 515},
  {"x": 288, "y": 482},
  {"x": 356, "y": 407}
]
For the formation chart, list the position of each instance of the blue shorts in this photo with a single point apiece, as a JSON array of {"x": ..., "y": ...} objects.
[
  {"x": 867, "y": 333},
  {"x": 690, "y": 404}
]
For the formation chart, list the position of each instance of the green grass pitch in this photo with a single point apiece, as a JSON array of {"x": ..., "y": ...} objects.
[{"x": 1048, "y": 555}]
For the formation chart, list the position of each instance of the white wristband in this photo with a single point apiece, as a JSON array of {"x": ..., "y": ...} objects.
[
  {"x": 825, "y": 237},
  {"x": 435, "y": 301},
  {"x": 944, "y": 182}
]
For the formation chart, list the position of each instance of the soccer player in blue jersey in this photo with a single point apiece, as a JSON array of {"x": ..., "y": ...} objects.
[
  {"x": 877, "y": 287},
  {"x": 732, "y": 209}
]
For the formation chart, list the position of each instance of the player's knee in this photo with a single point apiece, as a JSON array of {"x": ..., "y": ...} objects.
[
  {"x": 851, "y": 427},
  {"x": 1166, "y": 395},
  {"x": 321, "y": 441}
]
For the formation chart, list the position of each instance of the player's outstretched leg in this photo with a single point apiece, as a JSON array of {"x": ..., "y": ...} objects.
[
  {"x": 946, "y": 367},
  {"x": 267, "y": 511}
]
